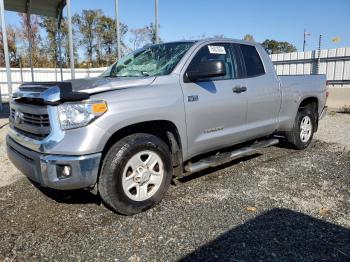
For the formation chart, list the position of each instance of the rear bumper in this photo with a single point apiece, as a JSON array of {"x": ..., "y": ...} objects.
[{"x": 45, "y": 169}]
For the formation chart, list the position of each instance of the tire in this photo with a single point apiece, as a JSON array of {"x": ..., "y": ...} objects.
[
  {"x": 302, "y": 133},
  {"x": 128, "y": 170}
]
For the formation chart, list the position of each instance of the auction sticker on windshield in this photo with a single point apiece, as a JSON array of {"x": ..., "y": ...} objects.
[{"x": 214, "y": 49}]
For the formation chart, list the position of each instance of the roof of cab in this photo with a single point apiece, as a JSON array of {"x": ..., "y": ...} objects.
[
  {"x": 231, "y": 40},
  {"x": 215, "y": 40}
]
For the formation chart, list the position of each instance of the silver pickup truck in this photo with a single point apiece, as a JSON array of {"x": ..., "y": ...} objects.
[{"x": 161, "y": 112}]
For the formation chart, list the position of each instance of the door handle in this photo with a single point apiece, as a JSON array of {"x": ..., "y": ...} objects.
[{"x": 239, "y": 89}]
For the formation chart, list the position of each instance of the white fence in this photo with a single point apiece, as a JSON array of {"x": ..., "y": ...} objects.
[
  {"x": 334, "y": 63},
  {"x": 41, "y": 74}
]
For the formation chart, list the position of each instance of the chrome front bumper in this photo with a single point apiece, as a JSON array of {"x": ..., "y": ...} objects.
[{"x": 44, "y": 169}]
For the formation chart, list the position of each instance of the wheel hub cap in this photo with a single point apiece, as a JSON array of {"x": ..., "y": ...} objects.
[
  {"x": 305, "y": 129},
  {"x": 143, "y": 175}
]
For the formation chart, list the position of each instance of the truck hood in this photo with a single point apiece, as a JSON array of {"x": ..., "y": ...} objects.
[{"x": 103, "y": 84}]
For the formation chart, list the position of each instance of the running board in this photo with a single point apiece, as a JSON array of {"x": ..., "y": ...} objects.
[{"x": 222, "y": 158}]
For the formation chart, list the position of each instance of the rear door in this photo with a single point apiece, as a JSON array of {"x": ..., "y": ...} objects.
[
  {"x": 263, "y": 94},
  {"x": 215, "y": 114}
]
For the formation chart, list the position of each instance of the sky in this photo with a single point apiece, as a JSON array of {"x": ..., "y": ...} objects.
[{"x": 282, "y": 20}]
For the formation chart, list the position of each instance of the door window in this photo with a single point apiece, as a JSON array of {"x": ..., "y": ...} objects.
[
  {"x": 252, "y": 60},
  {"x": 220, "y": 52}
]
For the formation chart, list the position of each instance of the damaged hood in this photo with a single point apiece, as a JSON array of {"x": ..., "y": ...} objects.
[{"x": 103, "y": 84}]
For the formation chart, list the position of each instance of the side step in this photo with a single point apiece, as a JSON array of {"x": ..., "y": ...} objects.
[{"x": 222, "y": 158}]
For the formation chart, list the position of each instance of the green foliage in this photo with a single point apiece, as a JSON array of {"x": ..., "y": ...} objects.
[
  {"x": 98, "y": 36},
  {"x": 152, "y": 33},
  {"x": 143, "y": 36},
  {"x": 345, "y": 109},
  {"x": 276, "y": 47},
  {"x": 106, "y": 31},
  {"x": 249, "y": 38},
  {"x": 51, "y": 43},
  {"x": 49, "y": 24},
  {"x": 86, "y": 24},
  {"x": 12, "y": 35},
  {"x": 93, "y": 32},
  {"x": 38, "y": 57}
]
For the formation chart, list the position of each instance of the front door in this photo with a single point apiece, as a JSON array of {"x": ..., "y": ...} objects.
[{"x": 215, "y": 112}]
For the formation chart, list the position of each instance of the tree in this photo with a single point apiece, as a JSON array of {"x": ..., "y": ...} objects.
[
  {"x": 51, "y": 44},
  {"x": 65, "y": 43},
  {"x": 38, "y": 58},
  {"x": 12, "y": 46},
  {"x": 106, "y": 48},
  {"x": 49, "y": 24},
  {"x": 143, "y": 36},
  {"x": 152, "y": 33},
  {"x": 249, "y": 38},
  {"x": 97, "y": 34},
  {"x": 139, "y": 37},
  {"x": 86, "y": 24},
  {"x": 276, "y": 47}
]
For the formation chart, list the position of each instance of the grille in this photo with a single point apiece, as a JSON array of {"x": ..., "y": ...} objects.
[
  {"x": 33, "y": 119},
  {"x": 36, "y": 126}
]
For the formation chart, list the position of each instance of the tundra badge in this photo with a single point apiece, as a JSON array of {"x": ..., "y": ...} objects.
[{"x": 193, "y": 98}]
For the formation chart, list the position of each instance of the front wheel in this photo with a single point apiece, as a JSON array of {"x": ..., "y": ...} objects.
[
  {"x": 135, "y": 174},
  {"x": 303, "y": 130}
]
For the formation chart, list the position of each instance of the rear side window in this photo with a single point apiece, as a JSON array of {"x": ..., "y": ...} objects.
[{"x": 252, "y": 60}]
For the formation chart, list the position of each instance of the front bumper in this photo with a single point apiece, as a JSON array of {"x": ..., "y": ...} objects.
[{"x": 44, "y": 169}]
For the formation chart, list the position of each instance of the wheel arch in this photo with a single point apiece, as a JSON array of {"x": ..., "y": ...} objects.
[
  {"x": 309, "y": 100},
  {"x": 314, "y": 103},
  {"x": 164, "y": 129}
]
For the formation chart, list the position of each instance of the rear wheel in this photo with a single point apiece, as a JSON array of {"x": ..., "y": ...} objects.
[
  {"x": 136, "y": 174},
  {"x": 304, "y": 126}
]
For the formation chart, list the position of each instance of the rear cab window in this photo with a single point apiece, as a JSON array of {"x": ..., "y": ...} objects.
[{"x": 253, "y": 64}]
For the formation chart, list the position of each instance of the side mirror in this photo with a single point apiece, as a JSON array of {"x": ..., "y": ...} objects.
[{"x": 207, "y": 69}]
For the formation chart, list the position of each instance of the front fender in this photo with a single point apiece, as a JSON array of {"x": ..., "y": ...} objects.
[{"x": 163, "y": 100}]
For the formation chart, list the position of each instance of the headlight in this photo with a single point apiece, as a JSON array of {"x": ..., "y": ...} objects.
[{"x": 74, "y": 115}]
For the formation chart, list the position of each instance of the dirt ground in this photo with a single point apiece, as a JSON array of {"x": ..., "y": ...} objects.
[
  {"x": 9, "y": 174},
  {"x": 276, "y": 205}
]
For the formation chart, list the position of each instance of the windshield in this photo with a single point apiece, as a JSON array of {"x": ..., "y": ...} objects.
[{"x": 155, "y": 60}]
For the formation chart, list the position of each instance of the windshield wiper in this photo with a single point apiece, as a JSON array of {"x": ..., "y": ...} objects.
[{"x": 115, "y": 76}]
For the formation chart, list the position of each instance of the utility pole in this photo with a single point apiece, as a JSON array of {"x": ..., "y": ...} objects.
[
  {"x": 117, "y": 27},
  {"x": 70, "y": 39},
  {"x": 156, "y": 26},
  {"x": 6, "y": 51},
  {"x": 59, "y": 40},
  {"x": 319, "y": 43},
  {"x": 319, "y": 54},
  {"x": 304, "y": 43},
  {"x": 305, "y": 35},
  {"x": 30, "y": 38}
]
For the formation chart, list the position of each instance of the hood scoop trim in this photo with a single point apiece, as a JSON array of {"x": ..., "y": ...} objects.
[{"x": 49, "y": 93}]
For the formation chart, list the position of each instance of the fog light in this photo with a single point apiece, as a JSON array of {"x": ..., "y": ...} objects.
[{"x": 64, "y": 171}]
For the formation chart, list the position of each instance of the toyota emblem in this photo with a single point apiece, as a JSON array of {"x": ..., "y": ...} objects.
[{"x": 18, "y": 118}]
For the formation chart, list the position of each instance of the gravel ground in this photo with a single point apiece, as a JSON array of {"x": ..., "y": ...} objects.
[
  {"x": 335, "y": 128},
  {"x": 277, "y": 205},
  {"x": 9, "y": 174}
]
